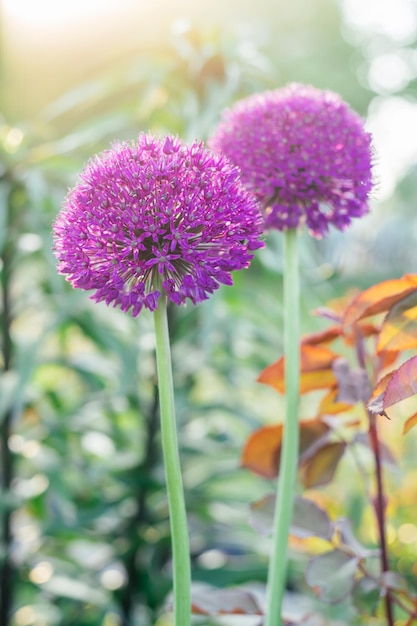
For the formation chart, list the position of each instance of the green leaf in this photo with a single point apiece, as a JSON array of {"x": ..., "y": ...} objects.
[
  {"x": 309, "y": 520},
  {"x": 344, "y": 528},
  {"x": 332, "y": 575},
  {"x": 208, "y": 600},
  {"x": 261, "y": 515},
  {"x": 366, "y": 595},
  {"x": 394, "y": 581}
]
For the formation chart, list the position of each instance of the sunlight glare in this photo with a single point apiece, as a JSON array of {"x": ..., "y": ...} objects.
[
  {"x": 390, "y": 122},
  {"x": 389, "y": 73},
  {"x": 396, "y": 19},
  {"x": 44, "y": 13}
]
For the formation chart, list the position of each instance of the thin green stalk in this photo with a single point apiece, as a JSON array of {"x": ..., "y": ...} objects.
[
  {"x": 277, "y": 574},
  {"x": 176, "y": 503}
]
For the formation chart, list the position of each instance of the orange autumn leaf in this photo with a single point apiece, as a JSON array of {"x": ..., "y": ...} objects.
[
  {"x": 364, "y": 329},
  {"x": 262, "y": 451},
  {"x": 410, "y": 423},
  {"x": 323, "y": 336},
  {"x": 379, "y": 298},
  {"x": 394, "y": 387},
  {"x": 320, "y": 467},
  {"x": 386, "y": 359},
  {"x": 312, "y": 431},
  {"x": 322, "y": 379},
  {"x": 316, "y": 372},
  {"x": 329, "y": 404},
  {"x": 399, "y": 329},
  {"x": 376, "y": 400},
  {"x": 367, "y": 329},
  {"x": 335, "y": 308}
]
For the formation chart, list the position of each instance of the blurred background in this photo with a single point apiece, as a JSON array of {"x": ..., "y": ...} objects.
[{"x": 85, "y": 536}]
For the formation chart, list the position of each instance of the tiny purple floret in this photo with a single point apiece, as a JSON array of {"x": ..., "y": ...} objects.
[
  {"x": 153, "y": 216},
  {"x": 303, "y": 153}
]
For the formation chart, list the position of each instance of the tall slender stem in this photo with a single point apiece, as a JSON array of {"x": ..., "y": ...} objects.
[
  {"x": 277, "y": 573},
  {"x": 176, "y": 502},
  {"x": 6, "y": 471}
]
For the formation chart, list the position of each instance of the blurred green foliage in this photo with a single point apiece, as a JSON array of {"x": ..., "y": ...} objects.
[{"x": 83, "y": 488}]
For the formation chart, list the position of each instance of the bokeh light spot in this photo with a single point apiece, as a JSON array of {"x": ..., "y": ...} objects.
[{"x": 41, "y": 573}]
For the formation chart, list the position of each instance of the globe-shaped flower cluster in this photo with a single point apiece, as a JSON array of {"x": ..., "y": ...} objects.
[
  {"x": 154, "y": 216},
  {"x": 303, "y": 153}
]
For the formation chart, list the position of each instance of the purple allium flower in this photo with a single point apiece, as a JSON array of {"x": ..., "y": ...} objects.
[
  {"x": 156, "y": 215},
  {"x": 303, "y": 153}
]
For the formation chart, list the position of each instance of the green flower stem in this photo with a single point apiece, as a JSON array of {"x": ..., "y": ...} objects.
[
  {"x": 176, "y": 502},
  {"x": 277, "y": 574}
]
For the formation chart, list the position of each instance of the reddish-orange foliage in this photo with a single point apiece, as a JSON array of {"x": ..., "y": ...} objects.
[
  {"x": 316, "y": 370},
  {"x": 399, "y": 330},
  {"x": 319, "y": 469},
  {"x": 262, "y": 451},
  {"x": 410, "y": 423},
  {"x": 347, "y": 378},
  {"x": 325, "y": 336},
  {"x": 330, "y": 405},
  {"x": 319, "y": 456},
  {"x": 379, "y": 298},
  {"x": 394, "y": 387}
]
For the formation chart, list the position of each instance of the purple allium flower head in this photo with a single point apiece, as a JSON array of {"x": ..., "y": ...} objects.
[
  {"x": 156, "y": 215},
  {"x": 303, "y": 153}
]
